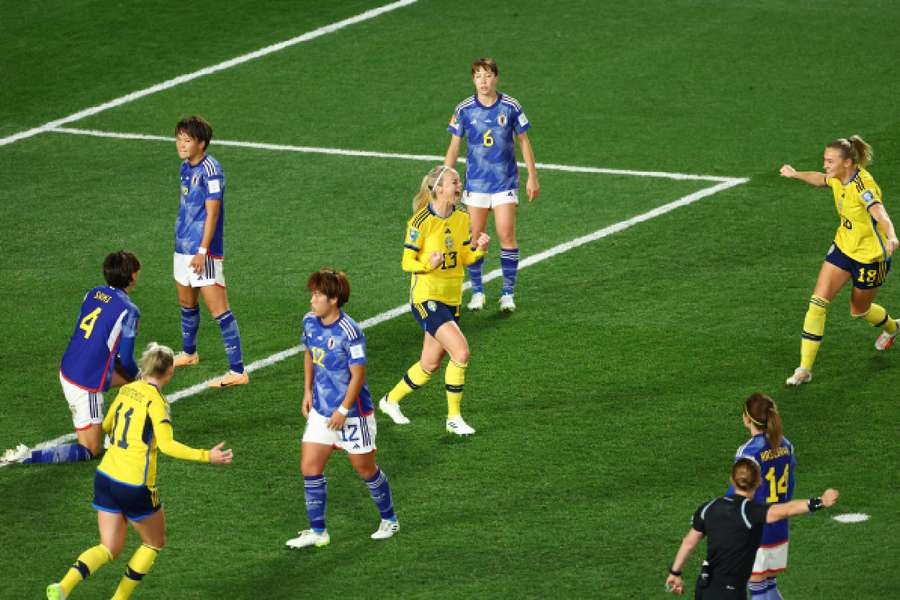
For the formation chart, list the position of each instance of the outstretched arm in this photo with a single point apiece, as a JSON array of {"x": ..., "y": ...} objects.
[
  {"x": 813, "y": 178},
  {"x": 793, "y": 508}
]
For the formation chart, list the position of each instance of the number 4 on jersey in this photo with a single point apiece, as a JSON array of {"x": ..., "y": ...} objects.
[{"x": 87, "y": 323}]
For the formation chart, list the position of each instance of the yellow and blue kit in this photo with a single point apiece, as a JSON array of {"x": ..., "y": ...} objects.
[
  {"x": 138, "y": 423},
  {"x": 859, "y": 235},
  {"x": 426, "y": 232}
]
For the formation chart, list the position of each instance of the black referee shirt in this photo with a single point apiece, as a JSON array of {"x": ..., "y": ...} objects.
[{"x": 733, "y": 528}]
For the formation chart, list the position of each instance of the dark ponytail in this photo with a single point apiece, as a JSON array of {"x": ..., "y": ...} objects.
[{"x": 764, "y": 414}]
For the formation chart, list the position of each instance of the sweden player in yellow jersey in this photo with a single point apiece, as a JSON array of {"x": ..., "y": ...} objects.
[
  {"x": 437, "y": 248},
  {"x": 138, "y": 423},
  {"x": 861, "y": 252}
]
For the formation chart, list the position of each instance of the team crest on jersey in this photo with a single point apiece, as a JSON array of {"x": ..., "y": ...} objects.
[
  {"x": 195, "y": 179},
  {"x": 448, "y": 241},
  {"x": 501, "y": 120},
  {"x": 432, "y": 306},
  {"x": 330, "y": 343},
  {"x": 184, "y": 190}
]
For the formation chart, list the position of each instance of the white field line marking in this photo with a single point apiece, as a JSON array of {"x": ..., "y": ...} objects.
[
  {"x": 527, "y": 262},
  {"x": 373, "y": 154},
  {"x": 165, "y": 85}
]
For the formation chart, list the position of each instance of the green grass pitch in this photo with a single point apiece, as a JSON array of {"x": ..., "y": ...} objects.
[{"x": 607, "y": 407}]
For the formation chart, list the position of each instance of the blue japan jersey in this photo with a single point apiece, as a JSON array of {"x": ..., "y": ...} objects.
[
  {"x": 777, "y": 467},
  {"x": 200, "y": 183},
  {"x": 490, "y": 145},
  {"x": 106, "y": 326},
  {"x": 334, "y": 348}
]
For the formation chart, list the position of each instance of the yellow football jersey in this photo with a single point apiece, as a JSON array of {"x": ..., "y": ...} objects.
[
  {"x": 138, "y": 422},
  {"x": 426, "y": 233},
  {"x": 859, "y": 236}
]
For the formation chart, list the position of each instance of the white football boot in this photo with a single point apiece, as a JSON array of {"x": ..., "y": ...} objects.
[
  {"x": 886, "y": 340},
  {"x": 476, "y": 302},
  {"x": 392, "y": 409},
  {"x": 308, "y": 537},
  {"x": 507, "y": 304},
  {"x": 458, "y": 426},
  {"x": 15, "y": 455},
  {"x": 799, "y": 377},
  {"x": 385, "y": 530}
]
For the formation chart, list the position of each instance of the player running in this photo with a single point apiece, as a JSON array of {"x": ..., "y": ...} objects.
[
  {"x": 491, "y": 121},
  {"x": 775, "y": 456},
  {"x": 200, "y": 250},
  {"x": 125, "y": 490},
  {"x": 862, "y": 248},
  {"x": 438, "y": 247},
  {"x": 337, "y": 406},
  {"x": 101, "y": 343}
]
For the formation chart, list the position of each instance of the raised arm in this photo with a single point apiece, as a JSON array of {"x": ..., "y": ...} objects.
[
  {"x": 777, "y": 512},
  {"x": 813, "y": 178}
]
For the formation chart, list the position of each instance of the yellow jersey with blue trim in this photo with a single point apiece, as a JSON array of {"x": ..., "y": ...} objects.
[
  {"x": 426, "y": 233},
  {"x": 859, "y": 235},
  {"x": 138, "y": 423}
]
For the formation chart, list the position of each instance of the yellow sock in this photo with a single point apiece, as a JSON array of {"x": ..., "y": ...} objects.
[
  {"x": 415, "y": 378},
  {"x": 89, "y": 561},
  {"x": 454, "y": 381},
  {"x": 813, "y": 330},
  {"x": 139, "y": 565},
  {"x": 877, "y": 316}
]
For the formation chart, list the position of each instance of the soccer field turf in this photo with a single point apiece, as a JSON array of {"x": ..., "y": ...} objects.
[{"x": 607, "y": 406}]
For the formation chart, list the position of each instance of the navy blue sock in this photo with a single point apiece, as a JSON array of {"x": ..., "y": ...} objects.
[
  {"x": 509, "y": 265},
  {"x": 773, "y": 593},
  {"x": 190, "y": 324},
  {"x": 315, "y": 490},
  {"x": 475, "y": 275},
  {"x": 381, "y": 494},
  {"x": 231, "y": 336},
  {"x": 60, "y": 454}
]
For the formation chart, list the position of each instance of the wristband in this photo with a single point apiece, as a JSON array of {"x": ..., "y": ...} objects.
[
  {"x": 201, "y": 250},
  {"x": 343, "y": 410},
  {"x": 814, "y": 504},
  {"x": 674, "y": 572}
]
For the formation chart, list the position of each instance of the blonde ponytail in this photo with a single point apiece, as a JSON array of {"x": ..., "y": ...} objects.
[
  {"x": 426, "y": 191},
  {"x": 156, "y": 360}
]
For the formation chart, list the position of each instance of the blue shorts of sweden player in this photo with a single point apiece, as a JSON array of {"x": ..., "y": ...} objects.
[
  {"x": 136, "y": 502},
  {"x": 431, "y": 314},
  {"x": 865, "y": 276}
]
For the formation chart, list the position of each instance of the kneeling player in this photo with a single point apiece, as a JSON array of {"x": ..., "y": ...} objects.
[
  {"x": 99, "y": 355},
  {"x": 337, "y": 406}
]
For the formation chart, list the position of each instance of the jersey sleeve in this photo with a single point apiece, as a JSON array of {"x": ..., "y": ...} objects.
[
  {"x": 412, "y": 245},
  {"x": 214, "y": 185},
  {"x": 126, "y": 344},
  {"x": 698, "y": 522},
  {"x": 306, "y": 325},
  {"x": 520, "y": 122},
  {"x": 165, "y": 437},
  {"x": 457, "y": 123},
  {"x": 356, "y": 349},
  {"x": 756, "y": 513},
  {"x": 869, "y": 198}
]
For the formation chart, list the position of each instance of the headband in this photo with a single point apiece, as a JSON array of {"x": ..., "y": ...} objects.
[{"x": 756, "y": 422}]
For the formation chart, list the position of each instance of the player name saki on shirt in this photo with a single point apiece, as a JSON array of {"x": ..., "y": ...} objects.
[
  {"x": 106, "y": 326},
  {"x": 490, "y": 147},
  {"x": 200, "y": 183},
  {"x": 334, "y": 349}
]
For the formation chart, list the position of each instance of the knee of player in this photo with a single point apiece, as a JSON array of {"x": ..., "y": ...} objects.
[
  {"x": 366, "y": 471},
  {"x": 461, "y": 356}
]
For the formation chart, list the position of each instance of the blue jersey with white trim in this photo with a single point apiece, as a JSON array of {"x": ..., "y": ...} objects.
[
  {"x": 199, "y": 183},
  {"x": 777, "y": 467},
  {"x": 334, "y": 348},
  {"x": 490, "y": 144},
  {"x": 106, "y": 327}
]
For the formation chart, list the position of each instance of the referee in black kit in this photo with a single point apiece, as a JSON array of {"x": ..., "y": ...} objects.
[{"x": 734, "y": 527}]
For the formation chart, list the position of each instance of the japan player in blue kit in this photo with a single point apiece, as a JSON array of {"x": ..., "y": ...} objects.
[
  {"x": 491, "y": 122},
  {"x": 100, "y": 354},
  {"x": 337, "y": 406},
  {"x": 200, "y": 249},
  {"x": 775, "y": 456}
]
